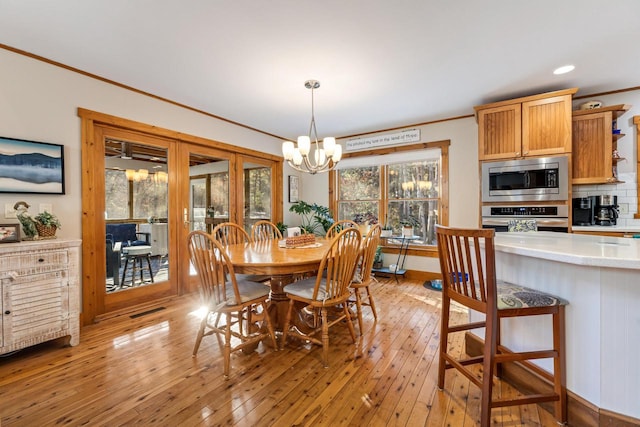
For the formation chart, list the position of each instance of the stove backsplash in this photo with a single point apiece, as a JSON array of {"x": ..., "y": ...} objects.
[{"x": 627, "y": 197}]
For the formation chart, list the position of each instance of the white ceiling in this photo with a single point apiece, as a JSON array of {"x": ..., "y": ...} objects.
[{"x": 382, "y": 64}]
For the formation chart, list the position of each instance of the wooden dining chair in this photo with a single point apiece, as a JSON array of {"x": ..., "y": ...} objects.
[
  {"x": 363, "y": 278},
  {"x": 469, "y": 279},
  {"x": 322, "y": 292},
  {"x": 230, "y": 233},
  {"x": 264, "y": 230},
  {"x": 224, "y": 295},
  {"x": 338, "y": 226}
]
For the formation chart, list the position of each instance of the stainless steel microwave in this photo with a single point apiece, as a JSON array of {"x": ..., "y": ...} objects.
[{"x": 523, "y": 180}]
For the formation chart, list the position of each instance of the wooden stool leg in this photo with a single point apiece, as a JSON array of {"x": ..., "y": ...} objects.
[
  {"x": 150, "y": 270},
  {"x": 124, "y": 271},
  {"x": 559, "y": 366}
]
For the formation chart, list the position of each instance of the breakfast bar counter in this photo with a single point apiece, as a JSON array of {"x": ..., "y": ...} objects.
[{"x": 600, "y": 277}]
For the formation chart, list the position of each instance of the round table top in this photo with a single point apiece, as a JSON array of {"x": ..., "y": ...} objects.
[{"x": 266, "y": 257}]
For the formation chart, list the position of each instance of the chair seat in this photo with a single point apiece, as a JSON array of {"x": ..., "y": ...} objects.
[
  {"x": 514, "y": 296},
  {"x": 304, "y": 288},
  {"x": 248, "y": 290}
]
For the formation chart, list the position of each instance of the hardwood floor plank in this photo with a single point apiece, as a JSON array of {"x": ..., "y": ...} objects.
[{"x": 139, "y": 372}]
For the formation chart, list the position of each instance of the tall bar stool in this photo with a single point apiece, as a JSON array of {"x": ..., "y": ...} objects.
[
  {"x": 135, "y": 255},
  {"x": 469, "y": 279}
]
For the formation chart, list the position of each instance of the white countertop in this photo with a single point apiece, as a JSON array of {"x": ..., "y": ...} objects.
[
  {"x": 605, "y": 228},
  {"x": 580, "y": 249}
]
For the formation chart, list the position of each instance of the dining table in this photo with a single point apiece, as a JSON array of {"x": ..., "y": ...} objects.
[{"x": 282, "y": 264}]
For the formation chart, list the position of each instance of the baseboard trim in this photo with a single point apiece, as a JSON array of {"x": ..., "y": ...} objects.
[{"x": 580, "y": 412}]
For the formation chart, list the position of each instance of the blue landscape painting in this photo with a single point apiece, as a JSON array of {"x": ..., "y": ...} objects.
[{"x": 31, "y": 167}]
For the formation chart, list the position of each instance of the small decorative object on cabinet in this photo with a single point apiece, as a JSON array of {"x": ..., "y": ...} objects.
[
  {"x": 46, "y": 224},
  {"x": 595, "y": 145},
  {"x": 40, "y": 293},
  {"x": 529, "y": 126}
]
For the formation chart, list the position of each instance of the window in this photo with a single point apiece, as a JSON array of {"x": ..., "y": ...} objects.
[
  {"x": 398, "y": 189},
  {"x": 149, "y": 196}
]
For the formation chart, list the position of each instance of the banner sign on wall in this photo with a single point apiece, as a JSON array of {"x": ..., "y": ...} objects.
[{"x": 366, "y": 142}]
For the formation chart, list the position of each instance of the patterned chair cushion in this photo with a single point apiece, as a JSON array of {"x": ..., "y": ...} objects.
[{"x": 515, "y": 296}]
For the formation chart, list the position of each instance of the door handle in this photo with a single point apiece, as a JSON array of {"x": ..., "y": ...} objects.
[{"x": 185, "y": 217}]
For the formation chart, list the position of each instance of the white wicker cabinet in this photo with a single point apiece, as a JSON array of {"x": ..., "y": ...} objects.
[{"x": 40, "y": 293}]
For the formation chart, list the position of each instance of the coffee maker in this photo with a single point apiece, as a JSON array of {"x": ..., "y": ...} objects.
[
  {"x": 606, "y": 210},
  {"x": 584, "y": 210}
]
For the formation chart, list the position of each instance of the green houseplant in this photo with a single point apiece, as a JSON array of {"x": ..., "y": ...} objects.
[
  {"x": 316, "y": 219},
  {"x": 46, "y": 224}
]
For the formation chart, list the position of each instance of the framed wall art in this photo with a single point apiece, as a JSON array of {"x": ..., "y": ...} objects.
[
  {"x": 9, "y": 233},
  {"x": 294, "y": 183},
  {"x": 31, "y": 167}
]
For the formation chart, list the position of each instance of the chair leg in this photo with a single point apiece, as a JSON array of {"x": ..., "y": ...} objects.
[
  {"x": 488, "y": 366},
  {"x": 358, "y": 308},
  {"x": 227, "y": 346},
  {"x": 444, "y": 339},
  {"x": 347, "y": 315},
  {"x": 325, "y": 337},
  {"x": 371, "y": 303},
  {"x": 203, "y": 323},
  {"x": 559, "y": 366}
]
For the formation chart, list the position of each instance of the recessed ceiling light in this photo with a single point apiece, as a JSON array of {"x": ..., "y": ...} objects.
[{"x": 564, "y": 69}]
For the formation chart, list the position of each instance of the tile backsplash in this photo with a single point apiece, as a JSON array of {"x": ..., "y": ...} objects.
[{"x": 626, "y": 191}]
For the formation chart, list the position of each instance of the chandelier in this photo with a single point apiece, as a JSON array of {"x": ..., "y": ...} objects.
[{"x": 322, "y": 159}]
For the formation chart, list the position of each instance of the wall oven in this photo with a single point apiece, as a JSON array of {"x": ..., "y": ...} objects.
[
  {"x": 526, "y": 180},
  {"x": 548, "y": 217}
]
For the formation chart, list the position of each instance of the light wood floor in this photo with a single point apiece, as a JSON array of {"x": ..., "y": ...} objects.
[{"x": 140, "y": 372}]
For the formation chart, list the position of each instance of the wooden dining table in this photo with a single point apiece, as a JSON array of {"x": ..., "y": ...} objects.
[{"x": 281, "y": 264}]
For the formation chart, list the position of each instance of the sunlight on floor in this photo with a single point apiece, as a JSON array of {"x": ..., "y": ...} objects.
[{"x": 140, "y": 334}]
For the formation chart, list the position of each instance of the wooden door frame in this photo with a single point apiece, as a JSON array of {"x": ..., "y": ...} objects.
[{"x": 93, "y": 248}]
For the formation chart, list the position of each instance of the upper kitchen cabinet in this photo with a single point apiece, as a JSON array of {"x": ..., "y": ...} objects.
[
  {"x": 530, "y": 126},
  {"x": 595, "y": 145}
]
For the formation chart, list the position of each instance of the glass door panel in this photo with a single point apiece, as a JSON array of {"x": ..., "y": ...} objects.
[
  {"x": 136, "y": 215},
  {"x": 257, "y": 193}
]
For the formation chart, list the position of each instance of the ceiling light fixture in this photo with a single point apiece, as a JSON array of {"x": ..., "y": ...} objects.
[
  {"x": 324, "y": 159},
  {"x": 564, "y": 69}
]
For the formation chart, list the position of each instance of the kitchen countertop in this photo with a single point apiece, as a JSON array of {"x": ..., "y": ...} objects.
[
  {"x": 605, "y": 228},
  {"x": 579, "y": 249}
]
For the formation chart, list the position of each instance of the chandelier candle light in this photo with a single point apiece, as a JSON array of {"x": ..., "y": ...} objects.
[{"x": 324, "y": 159}]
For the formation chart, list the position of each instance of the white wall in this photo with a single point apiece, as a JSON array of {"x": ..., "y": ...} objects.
[{"x": 39, "y": 102}]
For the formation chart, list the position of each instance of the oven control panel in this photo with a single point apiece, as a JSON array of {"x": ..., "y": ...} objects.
[{"x": 545, "y": 211}]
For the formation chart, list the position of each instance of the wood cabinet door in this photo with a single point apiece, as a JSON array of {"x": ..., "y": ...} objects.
[
  {"x": 592, "y": 148},
  {"x": 546, "y": 126},
  {"x": 499, "y": 132}
]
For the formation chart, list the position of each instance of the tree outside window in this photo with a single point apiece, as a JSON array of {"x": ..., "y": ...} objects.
[{"x": 412, "y": 196}]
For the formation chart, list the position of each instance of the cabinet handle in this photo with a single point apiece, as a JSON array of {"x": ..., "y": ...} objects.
[
  {"x": 7, "y": 312},
  {"x": 40, "y": 259}
]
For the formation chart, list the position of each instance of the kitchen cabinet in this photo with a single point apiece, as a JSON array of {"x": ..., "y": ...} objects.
[
  {"x": 530, "y": 126},
  {"x": 40, "y": 293},
  {"x": 594, "y": 144}
]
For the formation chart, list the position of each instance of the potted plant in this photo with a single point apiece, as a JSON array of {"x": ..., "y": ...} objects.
[
  {"x": 407, "y": 225},
  {"x": 316, "y": 219},
  {"x": 46, "y": 224}
]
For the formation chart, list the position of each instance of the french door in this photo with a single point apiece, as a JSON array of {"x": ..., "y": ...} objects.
[{"x": 144, "y": 189}]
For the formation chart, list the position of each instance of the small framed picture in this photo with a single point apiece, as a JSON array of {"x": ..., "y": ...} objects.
[
  {"x": 9, "y": 233},
  {"x": 293, "y": 188}
]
